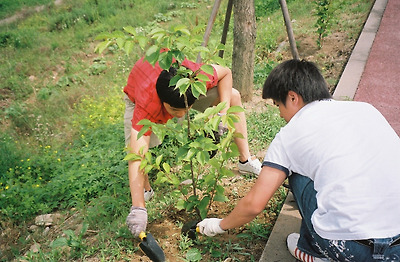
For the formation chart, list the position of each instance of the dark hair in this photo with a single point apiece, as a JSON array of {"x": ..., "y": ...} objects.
[
  {"x": 301, "y": 77},
  {"x": 169, "y": 94}
]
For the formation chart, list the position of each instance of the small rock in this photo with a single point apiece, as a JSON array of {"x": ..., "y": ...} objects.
[
  {"x": 33, "y": 228},
  {"x": 46, "y": 231},
  {"x": 186, "y": 182},
  {"x": 35, "y": 248},
  {"x": 44, "y": 220}
]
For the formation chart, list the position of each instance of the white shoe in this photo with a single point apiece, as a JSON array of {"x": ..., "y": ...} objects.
[
  {"x": 148, "y": 194},
  {"x": 251, "y": 166},
  {"x": 291, "y": 241}
]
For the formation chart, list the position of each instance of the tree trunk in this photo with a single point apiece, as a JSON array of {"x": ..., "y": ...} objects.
[{"x": 244, "y": 38}]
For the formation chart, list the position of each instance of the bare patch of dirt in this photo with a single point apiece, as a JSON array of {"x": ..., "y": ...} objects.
[{"x": 25, "y": 13}]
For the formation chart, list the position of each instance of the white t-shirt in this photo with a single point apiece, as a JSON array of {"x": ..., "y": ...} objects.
[{"x": 352, "y": 154}]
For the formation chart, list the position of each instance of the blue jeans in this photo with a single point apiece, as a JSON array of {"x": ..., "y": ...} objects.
[{"x": 383, "y": 249}]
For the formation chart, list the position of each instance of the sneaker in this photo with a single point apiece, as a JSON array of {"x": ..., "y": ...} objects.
[
  {"x": 291, "y": 241},
  {"x": 148, "y": 194},
  {"x": 251, "y": 166}
]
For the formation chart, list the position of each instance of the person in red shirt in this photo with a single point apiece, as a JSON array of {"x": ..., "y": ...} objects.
[{"x": 149, "y": 96}]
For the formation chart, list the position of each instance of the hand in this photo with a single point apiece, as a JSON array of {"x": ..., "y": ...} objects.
[
  {"x": 137, "y": 220},
  {"x": 222, "y": 129},
  {"x": 210, "y": 227}
]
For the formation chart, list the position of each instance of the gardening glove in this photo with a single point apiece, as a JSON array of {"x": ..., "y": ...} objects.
[
  {"x": 137, "y": 220},
  {"x": 222, "y": 129},
  {"x": 210, "y": 227}
]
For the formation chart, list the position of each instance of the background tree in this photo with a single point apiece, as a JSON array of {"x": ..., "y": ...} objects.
[{"x": 244, "y": 38}]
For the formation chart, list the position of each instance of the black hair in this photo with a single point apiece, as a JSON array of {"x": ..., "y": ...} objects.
[
  {"x": 169, "y": 94},
  {"x": 299, "y": 76}
]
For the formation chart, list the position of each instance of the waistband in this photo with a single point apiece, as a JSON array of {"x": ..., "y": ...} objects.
[{"x": 370, "y": 242}]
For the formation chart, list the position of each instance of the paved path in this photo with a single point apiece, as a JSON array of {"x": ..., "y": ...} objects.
[{"x": 372, "y": 75}]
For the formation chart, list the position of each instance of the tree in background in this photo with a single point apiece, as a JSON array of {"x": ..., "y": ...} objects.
[{"x": 244, "y": 38}]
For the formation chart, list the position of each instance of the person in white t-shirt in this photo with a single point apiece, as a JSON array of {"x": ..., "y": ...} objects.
[{"x": 341, "y": 158}]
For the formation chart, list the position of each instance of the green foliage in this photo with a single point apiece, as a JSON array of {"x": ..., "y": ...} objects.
[
  {"x": 263, "y": 126},
  {"x": 9, "y": 156},
  {"x": 24, "y": 38},
  {"x": 75, "y": 242},
  {"x": 193, "y": 158},
  {"x": 170, "y": 48},
  {"x": 261, "y": 72},
  {"x": 73, "y": 175},
  {"x": 264, "y": 8},
  {"x": 8, "y": 7},
  {"x": 324, "y": 13}
]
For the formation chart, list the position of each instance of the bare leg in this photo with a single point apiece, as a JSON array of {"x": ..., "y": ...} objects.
[{"x": 241, "y": 127}]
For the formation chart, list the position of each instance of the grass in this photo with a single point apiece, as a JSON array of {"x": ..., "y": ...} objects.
[{"x": 61, "y": 139}]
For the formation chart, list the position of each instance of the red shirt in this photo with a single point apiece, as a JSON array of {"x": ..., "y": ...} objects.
[{"x": 141, "y": 90}]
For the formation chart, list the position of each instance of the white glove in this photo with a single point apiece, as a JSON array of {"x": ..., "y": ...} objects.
[
  {"x": 137, "y": 220},
  {"x": 210, "y": 227},
  {"x": 222, "y": 129}
]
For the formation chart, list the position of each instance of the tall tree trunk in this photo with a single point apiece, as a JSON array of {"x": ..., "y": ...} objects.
[{"x": 244, "y": 38}]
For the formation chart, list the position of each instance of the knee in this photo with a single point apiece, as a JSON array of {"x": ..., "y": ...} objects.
[{"x": 236, "y": 98}]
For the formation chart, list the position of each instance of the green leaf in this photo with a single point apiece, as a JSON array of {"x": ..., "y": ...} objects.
[
  {"x": 152, "y": 54},
  {"x": 181, "y": 204},
  {"x": 120, "y": 42},
  {"x": 194, "y": 255},
  {"x": 143, "y": 131},
  {"x": 235, "y": 109},
  {"x": 130, "y": 30},
  {"x": 166, "y": 167},
  {"x": 59, "y": 242},
  {"x": 102, "y": 46},
  {"x": 190, "y": 154},
  {"x": 204, "y": 202},
  {"x": 165, "y": 60},
  {"x": 118, "y": 34},
  {"x": 128, "y": 47},
  {"x": 218, "y": 60},
  {"x": 201, "y": 49},
  {"x": 142, "y": 41},
  {"x": 202, "y": 157},
  {"x": 174, "y": 80},
  {"x": 208, "y": 69},
  {"x": 157, "y": 30},
  {"x": 183, "y": 85},
  {"x": 200, "y": 87},
  {"x": 158, "y": 160},
  {"x": 182, "y": 152},
  {"x": 103, "y": 36},
  {"x": 220, "y": 106},
  {"x": 179, "y": 55},
  {"x": 132, "y": 157},
  {"x": 220, "y": 198},
  {"x": 203, "y": 77}
]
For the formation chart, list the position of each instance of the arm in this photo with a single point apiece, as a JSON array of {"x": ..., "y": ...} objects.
[
  {"x": 269, "y": 180},
  {"x": 137, "y": 179},
  {"x": 224, "y": 85},
  {"x": 249, "y": 206}
]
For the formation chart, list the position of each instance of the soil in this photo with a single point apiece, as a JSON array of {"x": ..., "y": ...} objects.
[{"x": 331, "y": 58}]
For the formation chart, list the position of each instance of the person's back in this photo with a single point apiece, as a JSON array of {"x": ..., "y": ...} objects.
[{"x": 350, "y": 152}]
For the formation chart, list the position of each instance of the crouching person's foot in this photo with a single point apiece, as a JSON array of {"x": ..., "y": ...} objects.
[
  {"x": 252, "y": 166},
  {"x": 291, "y": 242},
  {"x": 148, "y": 194}
]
